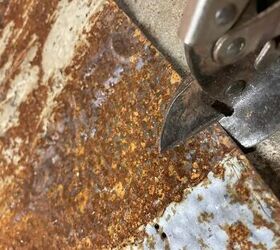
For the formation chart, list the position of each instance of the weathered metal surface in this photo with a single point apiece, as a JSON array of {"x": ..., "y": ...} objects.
[
  {"x": 230, "y": 209},
  {"x": 83, "y": 95}
]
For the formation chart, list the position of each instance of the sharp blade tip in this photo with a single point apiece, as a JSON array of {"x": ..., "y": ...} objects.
[
  {"x": 166, "y": 144},
  {"x": 163, "y": 143}
]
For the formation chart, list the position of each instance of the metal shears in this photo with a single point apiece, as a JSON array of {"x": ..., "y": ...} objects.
[{"x": 232, "y": 49}]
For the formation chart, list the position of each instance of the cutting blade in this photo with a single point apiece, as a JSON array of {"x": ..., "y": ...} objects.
[
  {"x": 190, "y": 111},
  {"x": 254, "y": 115}
]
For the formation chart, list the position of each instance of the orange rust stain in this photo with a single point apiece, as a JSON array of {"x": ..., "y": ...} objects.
[
  {"x": 96, "y": 175},
  {"x": 241, "y": 192},
  {"x": 200, "y": 197},
  {"x": 205, "y": 217},
  {"x": 38, "y": 22},
  {"x": 239, "y": 235},
  {"x": 219, "y": 171},
  {"x": 259, "y": 221}
]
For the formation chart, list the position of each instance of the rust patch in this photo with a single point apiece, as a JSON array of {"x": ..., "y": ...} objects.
[
  {"x": 94, "y": 176},
  {"x": 219, "y": 172},
  {"x": 205, "y": 217},
  {"x": 239, "y": 235},
  {"x": 199, "y": 197},
  {"x": 259, "y": 221},
  {"x": 35, "y": 20},
  {"x": 242, "y": 193}
]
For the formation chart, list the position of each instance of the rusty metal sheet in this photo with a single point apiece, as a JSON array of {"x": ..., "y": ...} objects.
[
  {"x": 83, "y": 94},
  {"x": 230, "y": 209}
]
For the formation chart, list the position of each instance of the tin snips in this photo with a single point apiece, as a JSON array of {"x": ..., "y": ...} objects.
[{"x": 232, "y": 49}]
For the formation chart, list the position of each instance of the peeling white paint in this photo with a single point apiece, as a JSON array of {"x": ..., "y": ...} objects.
[
  {"x": 58, "y": 85},
  {"x": 72, "y": 17},
  {"x": 180, "y": 221},
  {"x": 20, "y": 87},
  {"x": 5, "y": 69}
]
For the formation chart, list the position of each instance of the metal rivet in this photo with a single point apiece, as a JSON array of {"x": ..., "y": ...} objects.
[
  {"x": 235, "y": 47},
  {"x": 226, "y": 14}
]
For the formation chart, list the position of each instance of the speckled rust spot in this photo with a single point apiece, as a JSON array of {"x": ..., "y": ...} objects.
[
  {"x": 90, "y": 174},
  {"x": 259, "y": 221},
  {"x": 219, "y": 171},
  {"x": 3, "y": 8},
  {"x": 239, "y": 235},
  {"x": 205, "y": 217}
]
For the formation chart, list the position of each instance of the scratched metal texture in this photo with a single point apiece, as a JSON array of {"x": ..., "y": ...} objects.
[{"x": 82, "y": 99}]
